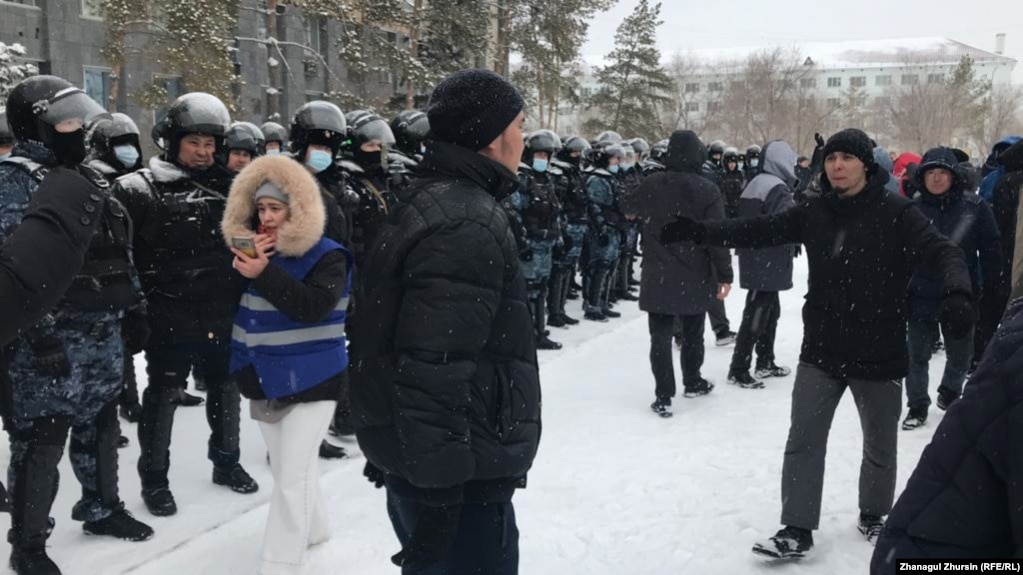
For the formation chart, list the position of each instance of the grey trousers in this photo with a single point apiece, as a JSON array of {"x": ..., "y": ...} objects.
[{"x": 815, "y": 396}]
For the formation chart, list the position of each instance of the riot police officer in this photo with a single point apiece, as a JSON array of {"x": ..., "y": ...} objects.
[
  {"x": 65, "y": 371},
  {"x": 177, "y": 205},
  {"x": 656, "y": 158},
  {"x": 572, "y": 198},
  {"x": 751, "y": 163},
  {"x": 276, "y": 137},
  {"x": 712, "y": 167},
  {"x": 243, "y": 143},
  {"x": 410, "y": 129},
  {"x": 630, "y": 178},
  {"x": 733, "y": 181},
  {"x": 533, "y": 209},
  {"x": 606, "y": 224}
]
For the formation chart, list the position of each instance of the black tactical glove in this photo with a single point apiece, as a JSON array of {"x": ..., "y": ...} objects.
[
  {"x": 683, "y": 229},
  {"x": 374, "y": 474},
  {"x": 50, "y": 355},
  {"x": 432, "y": 538},
  {"x": 957, "y": 315},
  {"x": 135, "y": 330},
  {"x": 603, "y": 240}
]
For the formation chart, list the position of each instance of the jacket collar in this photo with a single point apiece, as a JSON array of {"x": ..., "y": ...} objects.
[
  {"x": 870, "y": 195},
  {"x": 445, "y": 160}
]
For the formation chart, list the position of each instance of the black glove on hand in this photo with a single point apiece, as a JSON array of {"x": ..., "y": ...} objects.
[
  {"x": 135, "y": 330},
  {"x": 432, "y": 539},
  {"x": 374, "y": 474},
  {"x": 603, "y": 240},
  {"x": 683, "y": 229},
  {"x": 50, "y": 356},
  {"x": 957, "y": 315}
]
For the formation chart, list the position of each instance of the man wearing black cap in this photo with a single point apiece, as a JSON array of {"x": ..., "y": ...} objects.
[
  {"x": 445, "y": 385},
  {"x": 862, "y": 245}
]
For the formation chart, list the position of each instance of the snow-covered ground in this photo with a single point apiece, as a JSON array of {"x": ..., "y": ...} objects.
[{"x": 615, "y": 490}]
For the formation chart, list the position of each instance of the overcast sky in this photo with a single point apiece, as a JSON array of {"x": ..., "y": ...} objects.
[{"x": 694, "y": 24}]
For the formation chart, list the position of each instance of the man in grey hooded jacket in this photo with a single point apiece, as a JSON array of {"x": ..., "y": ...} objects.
[{"x": 763, "y": 272}]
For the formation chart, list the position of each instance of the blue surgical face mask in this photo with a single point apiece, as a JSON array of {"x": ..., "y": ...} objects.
[
  {"x": 539, "y": 165},
  {"x": 273, "y": 152},
  {"x": 613, "y": 169},
  {"x": 127, "y": 154},
  {"x": 753, "y": 162},
  {"x": 5, "y": 156},
  {"x": 319, "y": 161}
]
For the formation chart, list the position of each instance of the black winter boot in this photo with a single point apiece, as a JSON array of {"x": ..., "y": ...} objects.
[
  {"x": 330, "y": 451},
  {"x": 160, "y": 501},
  {"x": 155, "y": 430},
  {"x": 34, "y": 459},
  {"x": 32, "y": 561},
  {"x": 236, "y": 478},
  {"x": 121, "y": 525}
]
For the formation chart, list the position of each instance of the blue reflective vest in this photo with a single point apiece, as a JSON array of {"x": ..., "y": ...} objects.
[{"x": 290, "y": 357}]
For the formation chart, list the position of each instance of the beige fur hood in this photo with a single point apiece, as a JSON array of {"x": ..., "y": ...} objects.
[{"x": 305, "y": 225}]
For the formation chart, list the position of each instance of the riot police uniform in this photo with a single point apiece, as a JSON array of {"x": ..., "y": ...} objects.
[
  {"x": 574, "y": 226},
  {"x": 630, "y": 178},
  {"x": 606, "y": 226},
  {"x": 410, "y": 129},
  {"x": 65, "y": 371},
  {"x": 733, "y": 181},
  {"x": 193, "y": 295},
  {"x": 751, "y": 163}
]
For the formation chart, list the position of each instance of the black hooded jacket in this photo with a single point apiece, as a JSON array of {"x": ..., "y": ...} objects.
[
  {"x": 861, "y": 252},
  {"x": 444, "y": 379}
]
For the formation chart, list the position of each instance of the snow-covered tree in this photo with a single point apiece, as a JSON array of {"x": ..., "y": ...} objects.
[
  {"x": 634, "y": 84},
  {"x": 11, "y": 71}
]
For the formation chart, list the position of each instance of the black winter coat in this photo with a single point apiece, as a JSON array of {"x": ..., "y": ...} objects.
[
  {"x": 681, "y": 278},
  {"x": 444, "y": 380},
  {"x": 1006, "y": 201},
  {"x": 861, "y": 253},
  {"x": 965, "y": 498},
  {"x": 732, "y": 184}
]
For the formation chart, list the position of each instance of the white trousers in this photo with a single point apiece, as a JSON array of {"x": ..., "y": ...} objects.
[{"x": 297, "y": 520}]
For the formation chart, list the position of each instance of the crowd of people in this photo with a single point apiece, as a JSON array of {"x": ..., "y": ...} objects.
[{"x": 394, "y": 280}]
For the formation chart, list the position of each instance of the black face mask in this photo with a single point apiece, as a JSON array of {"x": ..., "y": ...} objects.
[
  {"x": 369, "y": 161},
  {"x": 69, "y": 148}
]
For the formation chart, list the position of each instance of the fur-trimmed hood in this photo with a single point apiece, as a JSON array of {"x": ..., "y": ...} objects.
[{"x": 308, "y": 216}]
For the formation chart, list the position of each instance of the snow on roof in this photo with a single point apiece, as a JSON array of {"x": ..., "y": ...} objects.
[{"x": 866, "y": 53}]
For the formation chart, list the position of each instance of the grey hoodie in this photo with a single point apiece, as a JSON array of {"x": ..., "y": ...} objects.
[{"x": 770, "y": 192}]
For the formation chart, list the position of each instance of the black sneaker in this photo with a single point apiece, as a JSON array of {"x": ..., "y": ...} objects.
[
  {"x": 185, "y": 399},
  {"x": 569, "y": 320},
  {"x": 870, "y": 527},
  {"x": 744, "y": 380},
  {"x": 329, "y": 451},
  {"x": 662, "y": 407},
  {"x": 915, "y": 418},
  {"x": 32, "y": 561},
  {"x": 546, "y": 343},
  {"x": 701, "y": 387},
  {"x": 726, "y": 338},
  {"x": 235, "y": 478},
  {"x": 772, "y": 370},
  {"x": 160, "y": 501},
  {"x": 119, "y": 524},
  {"x": 946, "y": 398},
  {"x": 787, "y": 543},
  {"x": 131, "y": 412},
  {"x": 611, "y": 313},
  {"x": 595, "y": 316},
  {"x": 556, "y": 320}
]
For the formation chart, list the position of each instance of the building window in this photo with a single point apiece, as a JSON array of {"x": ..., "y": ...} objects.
[
  {"x": 858, "y": 81},
  {"x": 935, "y": 78},
  {"x": 882, "y": 80},
  {"x": 692, "y": 106},
  {"x": 808, "y": 83},
  {"x": 882, "y": 101},
  {"x": 92, "y": 9},
  {"x": 834, "y": 103},
  {"x": 715, "y": 86},
  {"x": 174, "y": 87},
  {"x": 692, "y": 88},
  {"x": 21, "y": 2},
  {"x": 910, "y": 79},
  {"x": 713, "y": 106},
  {"x": 835, "y": 82},
  {"x": 97, "y": 85},
  {"x": 316, "y": 33}
]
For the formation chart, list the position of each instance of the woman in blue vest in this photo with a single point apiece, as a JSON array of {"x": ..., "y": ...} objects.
[{"x": 288, "y": 343}]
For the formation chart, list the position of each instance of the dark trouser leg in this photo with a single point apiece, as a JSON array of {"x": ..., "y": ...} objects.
[
  {"x": 223, "y": 405},
  {"x": 879, "y": 404},
  {"x": 168, "y": 369},
  {"x": 536, "y": 292},
  {"x": 815, "y": 395},
  {"x": 343, "y": 424},
  {"x": 556, "y": 290},
  {"x": 919, "y": 340},
  {"x": 718, "y": 318},
  {"x": 765, "y": 339},
  {"x": 94, "y": 460},
  {"x": 605, "y": 292},
  {"x": 130, "y": 392},
  {"x": 661, "y": 361},
  {"x": 33, "y": 478},
  {"x": 692, "y": 348},
  {"x": 992, "y": 307},
  {"x": 595, "y": 287},
  {"x": 743, "y": 354},
  {"x": 958, "y": 353}
]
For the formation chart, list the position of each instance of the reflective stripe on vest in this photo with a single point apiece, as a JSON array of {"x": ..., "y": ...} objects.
[
  {"x": 334, "y": 331},
  {"x": 256, "y": 303}
]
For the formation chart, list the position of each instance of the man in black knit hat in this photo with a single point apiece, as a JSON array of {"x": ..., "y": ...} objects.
[
  {"x": 862, "y": 245},
  {"x": 445, "y": 384}
]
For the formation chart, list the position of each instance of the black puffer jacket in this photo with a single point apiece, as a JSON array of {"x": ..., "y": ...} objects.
[
  {"x": 861, "y": 253},
  {"x": 445, "y": 384},
  {"x": 965, "y": 498}
]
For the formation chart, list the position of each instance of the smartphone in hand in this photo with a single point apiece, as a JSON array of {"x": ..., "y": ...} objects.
[{"x": 245, "y": 245}]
